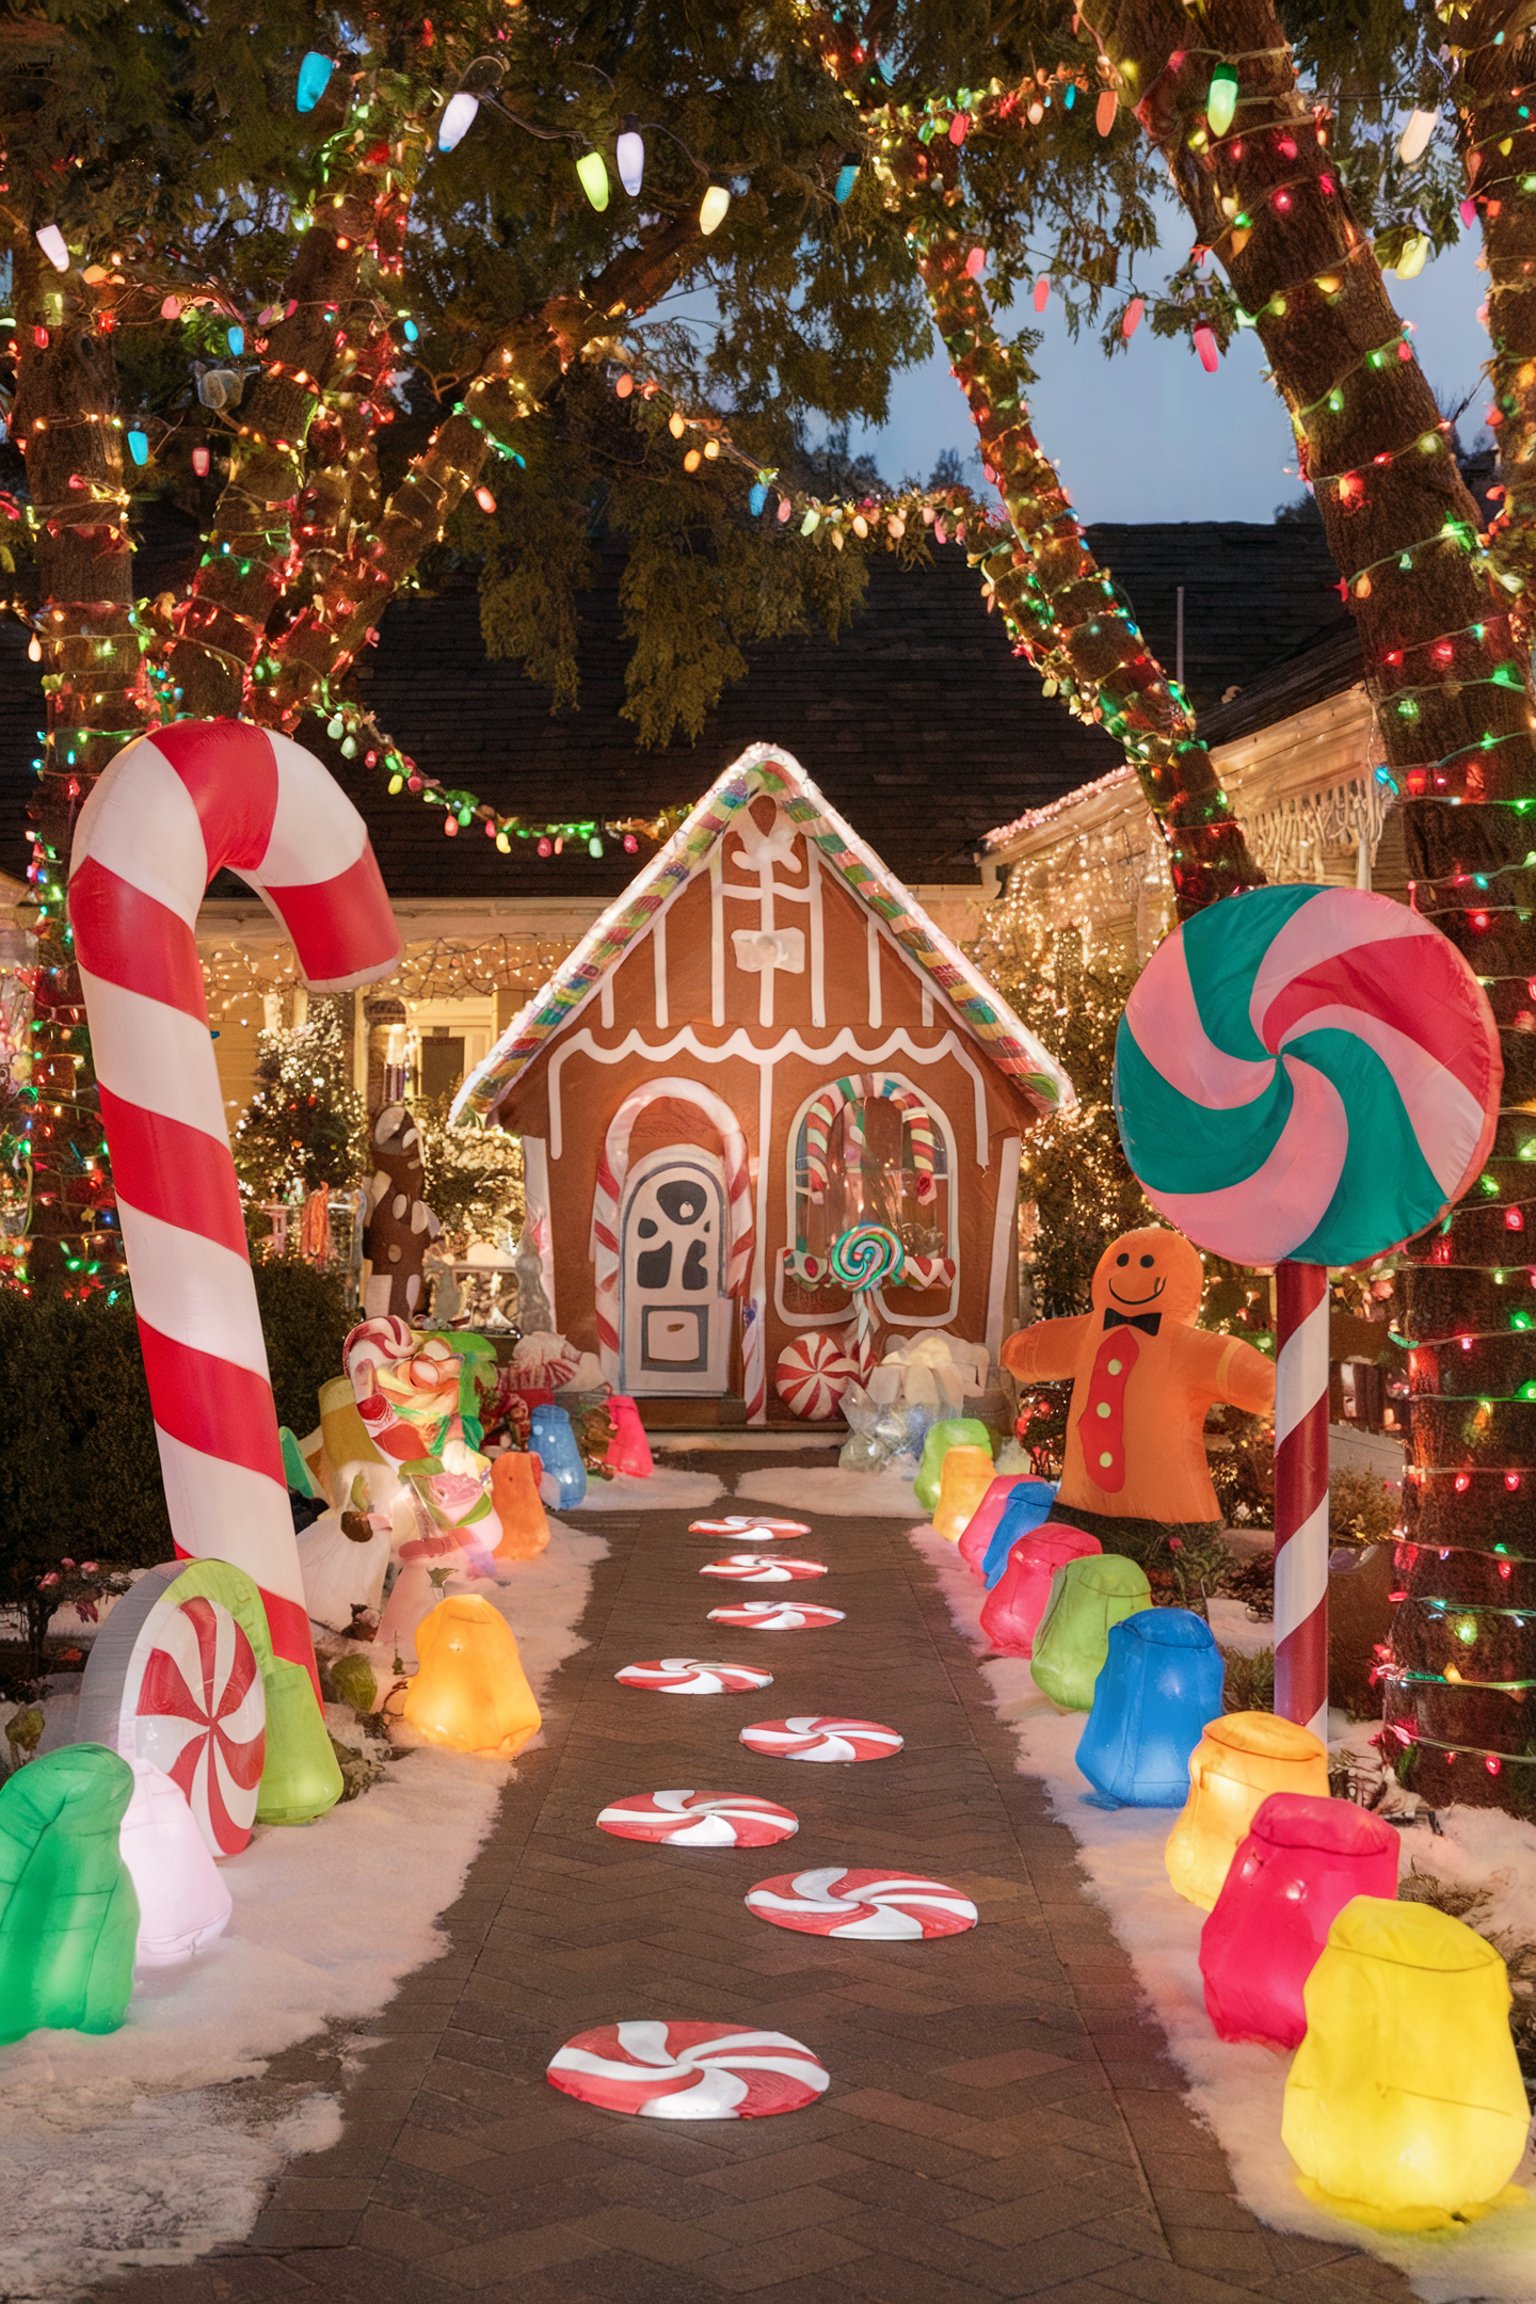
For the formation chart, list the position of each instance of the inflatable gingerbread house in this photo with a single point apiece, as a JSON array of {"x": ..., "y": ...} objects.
[{"x": 764, "y": 1044}]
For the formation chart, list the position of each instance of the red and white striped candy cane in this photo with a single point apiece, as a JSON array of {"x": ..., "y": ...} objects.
[
  {"x": 741, "y": 1230},
  {"x": 850, "y": 1093},
  {"x": 169, "y": 812},
  {"x": 1301, "y": 1495}
]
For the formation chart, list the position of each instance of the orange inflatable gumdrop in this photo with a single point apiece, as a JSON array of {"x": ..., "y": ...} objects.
[
  {"x": 516, "y": 1503},
  {"x": 471, "y": 1692}
]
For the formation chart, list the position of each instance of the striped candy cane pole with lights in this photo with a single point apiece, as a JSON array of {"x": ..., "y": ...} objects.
[
  {"x": 1305, "y": 1077},
  {"x": 170, "y": 811},
  {"x": 1301, "y": 1495}
]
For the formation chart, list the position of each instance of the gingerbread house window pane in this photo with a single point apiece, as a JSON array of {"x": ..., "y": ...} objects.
[{"x": 875, "y": 1175}]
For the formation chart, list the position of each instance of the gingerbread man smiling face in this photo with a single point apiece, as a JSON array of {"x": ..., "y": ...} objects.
[{"x": 1143, "y": 1378}]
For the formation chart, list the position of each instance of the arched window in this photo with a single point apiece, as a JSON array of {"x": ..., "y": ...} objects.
[{"x": 869, "y": 1151}]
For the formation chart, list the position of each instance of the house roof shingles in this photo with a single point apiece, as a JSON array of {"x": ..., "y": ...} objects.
[{"x": 917, "y": 724}]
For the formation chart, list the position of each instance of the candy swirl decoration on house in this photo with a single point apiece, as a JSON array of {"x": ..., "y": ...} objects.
[
  {"x": 1160, "y": 1684},
  {"x": 688, "y": 2071},
  {"x": 1306, "y": 1077},
  {"x": 700, "y": 1820},
  {"x": 1303, "y": 1860},
  {"x": 69, "y": 1918},
  {"x": 861, "y": 1258},
  {"x": 1404, "y": 2106},
  {"x": 871, "y": 1907},
  {"x": 182, "y": 1673},
  {"x": 470, "y": 1693},
  {"x": 812, "y": 1373},
  {"x": 171, "y": 810}
]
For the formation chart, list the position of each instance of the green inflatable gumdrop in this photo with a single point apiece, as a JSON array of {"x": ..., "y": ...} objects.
[
  {"x": 69, "y": 1919},
  {"x": 949, "y": 1432},
  {"x": 1087, "y": 1596},
  {"x": 356, "y": 1683},
  {"x": 296, "y": 1472}
]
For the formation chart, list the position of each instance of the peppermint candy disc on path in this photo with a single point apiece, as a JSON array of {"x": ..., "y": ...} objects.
[
  {"x": 822, "y": 1736},
  {"x": 750, "y": 1531},
  {"x": 688, "y": 2071},
  {"x": 764, "y": 1568},
  {"x": 685, "y": 1676},
  {"x": 776, "y": 1615},
  {"x": 884, "y": 1907},
  {"x": 700, "y": 1820},
  {"x": 1306, "y": 1073}
]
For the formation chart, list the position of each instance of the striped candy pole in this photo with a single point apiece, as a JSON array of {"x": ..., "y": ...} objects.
[
  {"x": 169, "y": 812},
  {"x": 1301, "y": 1495}
]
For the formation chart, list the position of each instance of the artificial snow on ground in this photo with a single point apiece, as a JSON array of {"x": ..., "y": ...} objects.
[
  {"x": 828, "y": 1488},
  {"x": 666, "y": 1490},
  {"x": 132, "y": 2148},
  {"x": 1238, "y": 2090}
]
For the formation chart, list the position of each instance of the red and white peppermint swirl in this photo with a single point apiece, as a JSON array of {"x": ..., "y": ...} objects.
[
  {"x": 764, "y": 1568},
  {"x": 776, "y": 1615},
  {"x": 201, "y": 1717},
  {"x": 688, "y": 2071},
  {"x": 170, "y": 811},
  {"x": 700, "y": 1820},
  {"x": 750, "y": 1531},
  {"x": 822, "y": 1736},
  {"x": 685, "y": 1676},
  {"x": 876, "y": 1907}
]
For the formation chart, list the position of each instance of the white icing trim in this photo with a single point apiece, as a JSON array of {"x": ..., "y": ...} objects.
[
  {"x": 605, "y": 1001},
  {"x": 659, "y": 963},
  {"x": 759, "y": 1164},
  {"x": 818, "y": 942},
  {"x": 1004, "y": 1237},
  {"x": 835, "y": 1053},
  {"x": 716, "y": 942},
  {"x": 872, "y": 950}
]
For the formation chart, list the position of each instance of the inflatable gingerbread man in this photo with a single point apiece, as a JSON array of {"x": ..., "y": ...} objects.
[{"x": 1143, "y": 1378}]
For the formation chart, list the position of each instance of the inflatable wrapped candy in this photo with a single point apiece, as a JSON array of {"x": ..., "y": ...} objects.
[
  {"x": 555, "y": 1443},
  {"x": 1143, "y": 1380},
  {"x": 518, "y": 1506},
  {"x": 69, "y": 1919},
  {"x": 1160, "y": 1685},
  {"x": 1088, "y": 1595},
  {"x": 184, "y": 1902},
  {"x": 1012, "y": 1611}
]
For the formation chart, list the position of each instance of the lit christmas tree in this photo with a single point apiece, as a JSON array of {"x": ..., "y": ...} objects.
[{"x": 304, "y": 1128}]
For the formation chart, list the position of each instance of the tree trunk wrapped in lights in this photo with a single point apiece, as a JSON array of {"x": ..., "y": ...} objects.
[
  {"x": 1071, "y": 621},
  {"x": 1454, "y": 709},
  {"x": 1493, "y": 48},
  {"x": 65, "y": 425}
]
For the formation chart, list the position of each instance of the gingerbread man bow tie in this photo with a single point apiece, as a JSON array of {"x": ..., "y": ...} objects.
[{"x": 1147, "y": 1322}]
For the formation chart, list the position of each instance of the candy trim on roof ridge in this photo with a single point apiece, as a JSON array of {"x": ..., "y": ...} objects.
[{"x": 766, "y": 769}]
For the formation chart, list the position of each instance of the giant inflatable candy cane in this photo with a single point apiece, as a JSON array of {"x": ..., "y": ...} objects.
[{"x": 169, "y": 812}]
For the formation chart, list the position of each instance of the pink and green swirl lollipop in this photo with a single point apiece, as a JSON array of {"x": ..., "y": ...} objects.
[{"x": 1306, "y": 1073}]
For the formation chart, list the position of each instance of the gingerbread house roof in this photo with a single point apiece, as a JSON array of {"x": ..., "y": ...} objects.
[{"x": 766, "y": 771}]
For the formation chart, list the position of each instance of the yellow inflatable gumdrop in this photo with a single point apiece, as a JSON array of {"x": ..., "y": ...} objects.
[
  {"x": 965, "y": 1475},
  {"x": 471, "y": 1692},
  {"x": 1404, "y": 2106},
  {"x": 1238, "y": 1762}
]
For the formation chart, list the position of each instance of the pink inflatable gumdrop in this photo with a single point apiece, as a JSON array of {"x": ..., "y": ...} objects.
[
  {"x": 629, "y": 1450},
  {"x": 982, "y": 1524},
  {"x": 1011, "y": 1612}
]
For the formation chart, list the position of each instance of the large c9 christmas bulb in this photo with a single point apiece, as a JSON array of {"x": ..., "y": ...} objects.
[
  {"x": 51, "y": 241},
  {"x": 314, "y": 74},
  {"x": 457, "y": 120},
  {"x": 630, "y": 155},
  {"x": 712, "y": 208},
  {"x": 592, "y": 168},
  {"x": 1221, "y": 102},
  {"x": 1416, "y": 136}
]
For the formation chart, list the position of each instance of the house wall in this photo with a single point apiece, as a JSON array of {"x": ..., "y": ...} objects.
[{"x": 762, "y": 981}]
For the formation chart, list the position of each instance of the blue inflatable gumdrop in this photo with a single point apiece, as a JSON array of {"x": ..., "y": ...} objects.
[
  {"x": 554, "y": 1442},
  {"x": 1160, "y": 1684}
]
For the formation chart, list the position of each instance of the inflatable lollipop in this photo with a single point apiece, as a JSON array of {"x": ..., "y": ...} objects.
[
  {"x": 1305, "y": 1077},
  {"x": 861, "y": 1258}
]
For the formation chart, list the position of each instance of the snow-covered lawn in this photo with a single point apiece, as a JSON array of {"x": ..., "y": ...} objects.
[
  {"x": 666, "y": 1490},
  {"x": 826, "y": 1488},
  {"x": 1238, "y": 2090},
  {"x": 132, "y": 2148}
]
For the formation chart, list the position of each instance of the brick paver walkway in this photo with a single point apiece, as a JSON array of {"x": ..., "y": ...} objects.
[{"x": 1001, "y": 2122}]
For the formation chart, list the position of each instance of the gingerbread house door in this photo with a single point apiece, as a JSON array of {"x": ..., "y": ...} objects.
[{"x": 675, "y": 1319}]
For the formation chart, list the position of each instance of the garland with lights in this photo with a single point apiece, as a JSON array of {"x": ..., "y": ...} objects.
[{"x": 1452, "y": 694}]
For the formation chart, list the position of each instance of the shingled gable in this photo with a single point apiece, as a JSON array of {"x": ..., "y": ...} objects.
[{"x": 767, "y": 771}]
